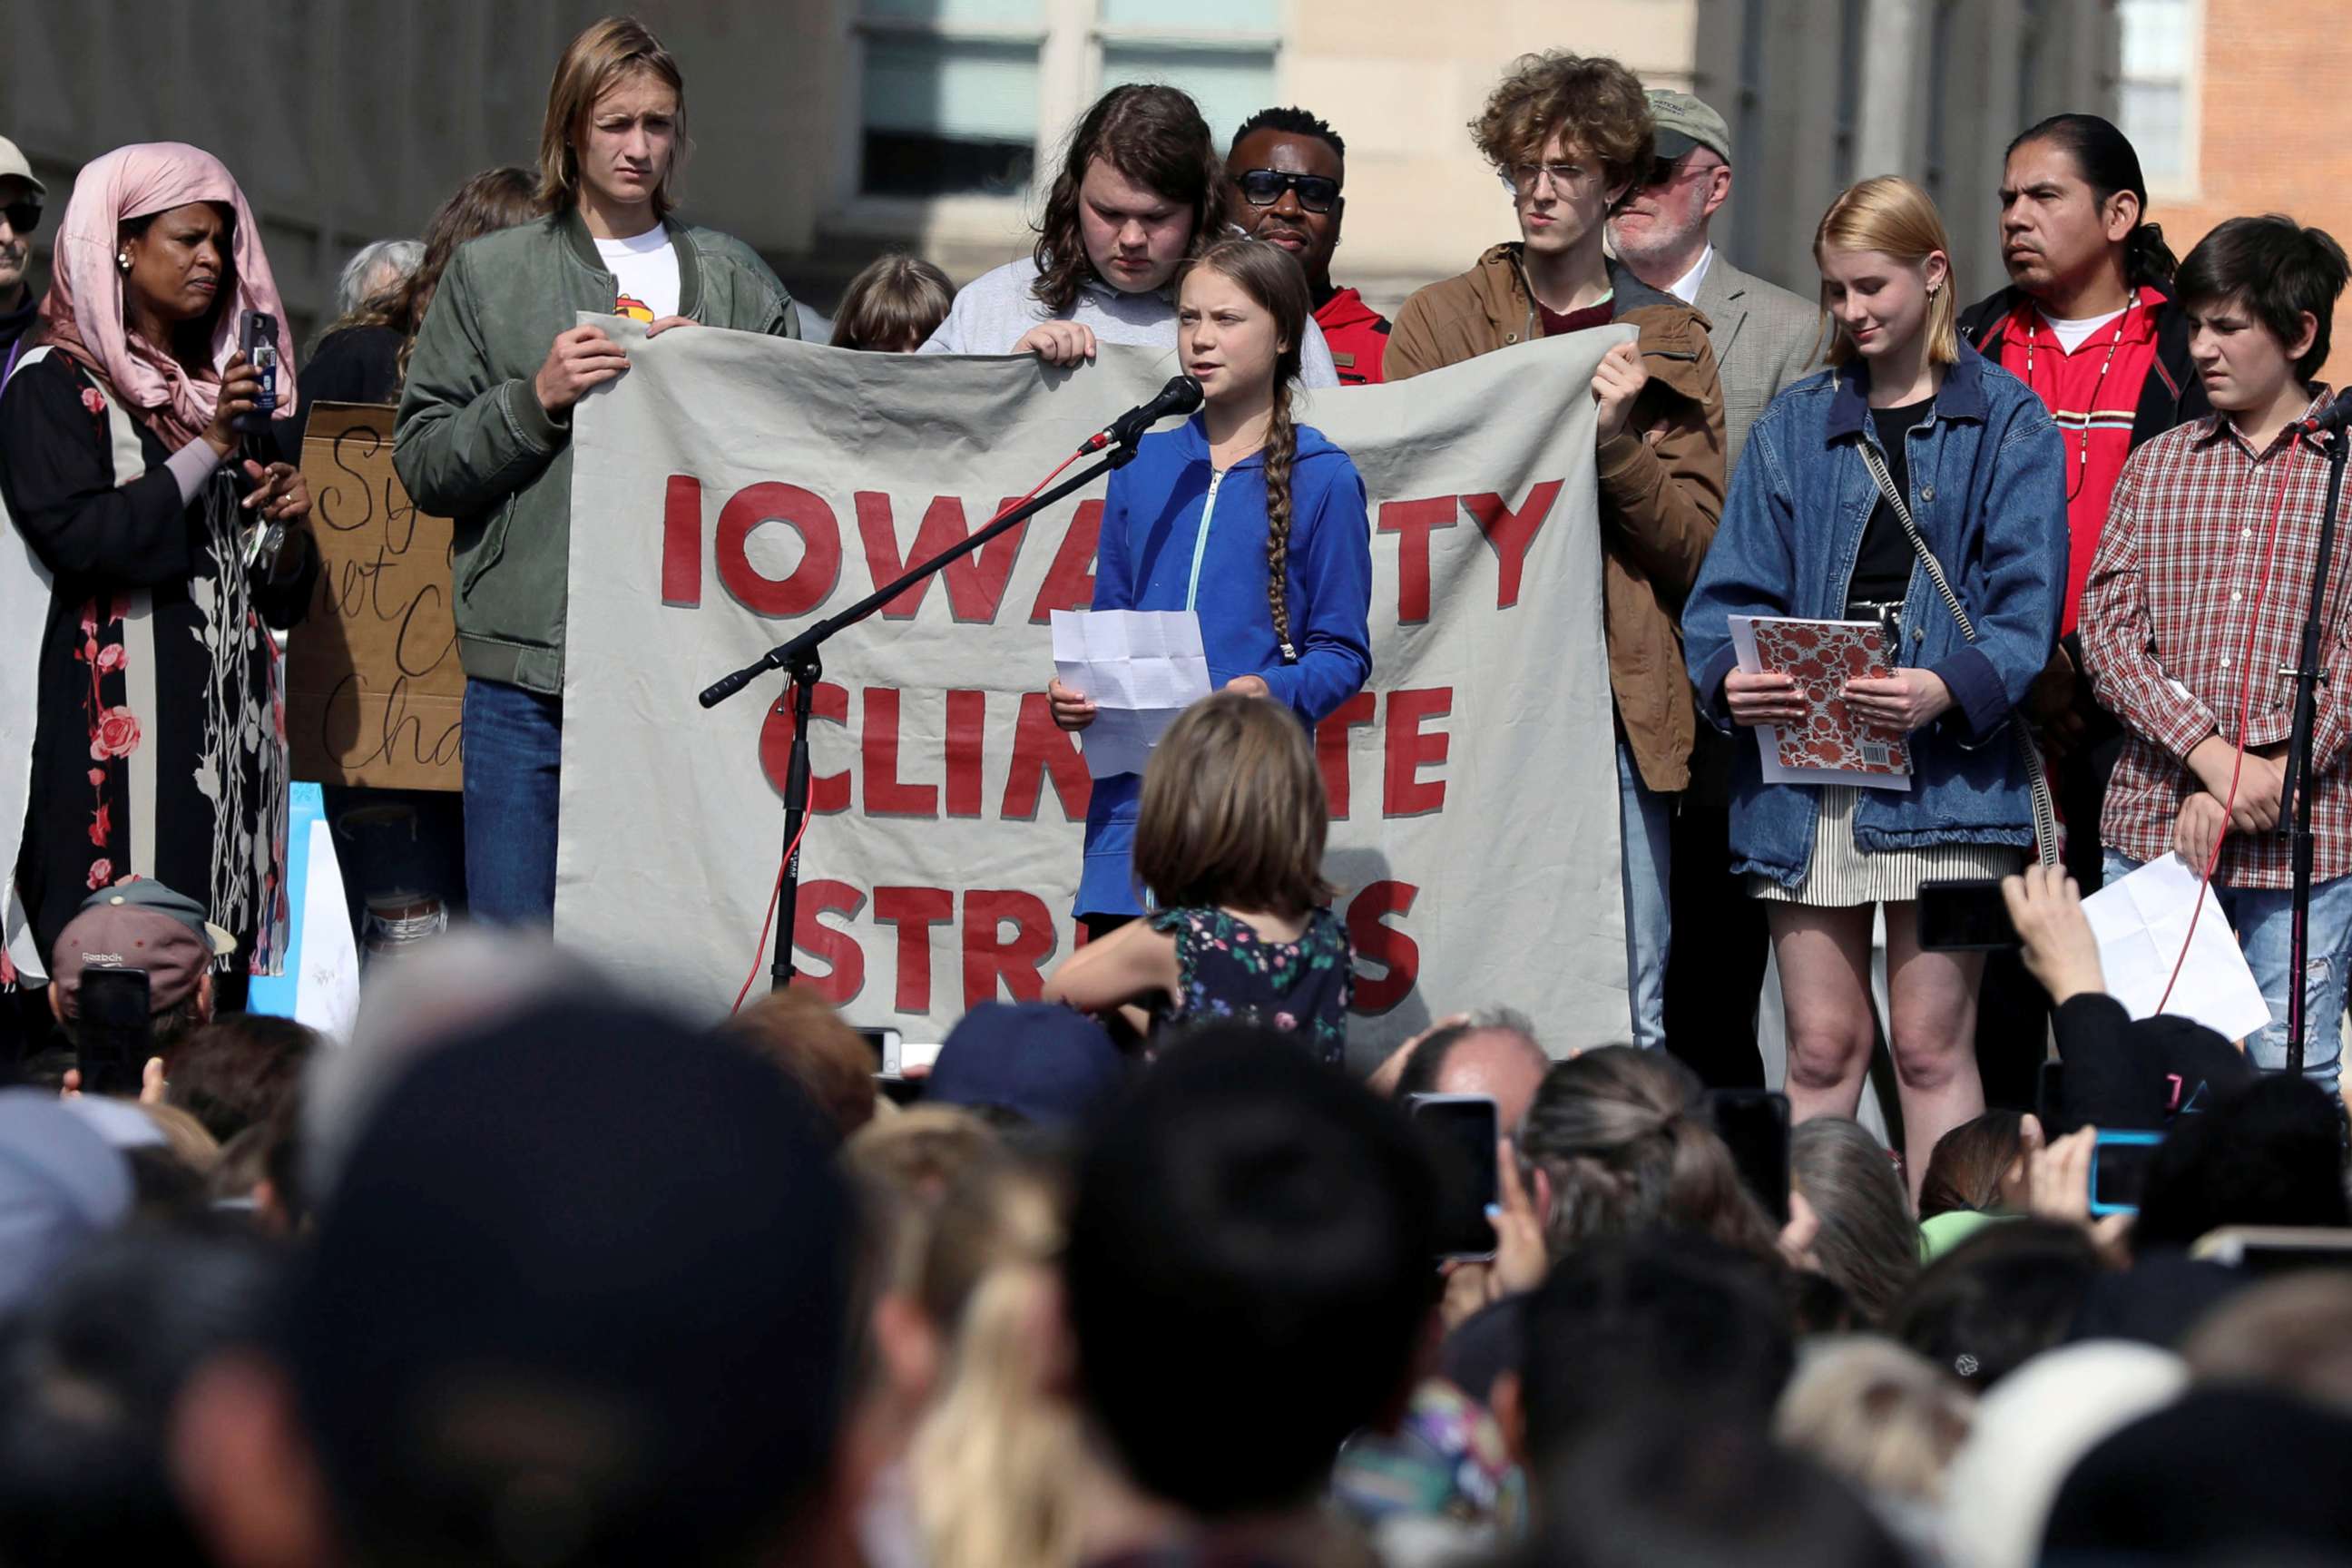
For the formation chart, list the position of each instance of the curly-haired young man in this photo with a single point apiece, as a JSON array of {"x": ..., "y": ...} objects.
[{"x": 1570, "y": 136}]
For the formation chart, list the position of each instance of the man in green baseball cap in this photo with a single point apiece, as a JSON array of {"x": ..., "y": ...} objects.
[{"x": 1765, "y": 338}]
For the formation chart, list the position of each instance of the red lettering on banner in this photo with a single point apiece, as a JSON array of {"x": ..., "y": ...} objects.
[
  {"x": 877, "y": 744},
  {"x": 1414, "y": 521},
  {"x": 811, "y": 582},
  {"x": 1043, "y": 750},
  {"x": 828, "y": 792},
  {"x": 989, "y": 957},
  {"x": 1397, "y": 954},
  {"x": 1410, "y": 748},
  {"x": 1331, "y": 747},
  {"x": 1070, "y": 582},
  {"x": 914, "y": 910},
  {"x": 681, "y": 568},
  {"x": 975, "y": 586},
  {"x": 1510, "y": 533},
  {"x": 967, "y": 736},
  {"x": 846, "y": 978}
]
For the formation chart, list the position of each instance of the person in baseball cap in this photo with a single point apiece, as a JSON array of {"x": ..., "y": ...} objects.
[
  {"x": 21, "y": 196},
  {"x": 141, "y": 925},
  {"x": 1046, "y": 1064},
  {"x": 1684, "y": 122}
]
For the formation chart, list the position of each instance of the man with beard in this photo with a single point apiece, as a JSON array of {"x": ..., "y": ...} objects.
[
  {"x": 1287, "y": 167},
  {"x": 1765, "y": 338}
]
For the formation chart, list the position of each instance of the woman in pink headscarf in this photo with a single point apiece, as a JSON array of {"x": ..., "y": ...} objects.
[{"x": 160, "y": 742}]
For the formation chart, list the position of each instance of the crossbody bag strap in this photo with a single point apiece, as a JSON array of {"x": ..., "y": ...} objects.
[
  {"x": 1886, "y": 488},
  {"x": 2037, "y": 779}
]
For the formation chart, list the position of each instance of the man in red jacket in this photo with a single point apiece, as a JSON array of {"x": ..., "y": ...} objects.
[{"x": 1286, "y": 167}]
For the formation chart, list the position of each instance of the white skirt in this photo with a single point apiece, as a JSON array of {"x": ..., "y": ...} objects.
[{"x": 1841, "y": 875}]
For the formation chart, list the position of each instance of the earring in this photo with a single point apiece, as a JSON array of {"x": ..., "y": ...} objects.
[{"x": 122, "y": 261}]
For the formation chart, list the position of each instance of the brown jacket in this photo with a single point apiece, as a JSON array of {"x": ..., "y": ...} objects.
[{"x": 1661, "y": 478}]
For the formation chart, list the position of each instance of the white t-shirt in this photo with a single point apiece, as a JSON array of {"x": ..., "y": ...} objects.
[
  {"x": 2071, "y": 332},
  {"x": 645, "y": 268}
]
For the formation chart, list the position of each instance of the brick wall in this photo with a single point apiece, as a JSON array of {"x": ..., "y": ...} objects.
[{"x": 2277, "y": 131}]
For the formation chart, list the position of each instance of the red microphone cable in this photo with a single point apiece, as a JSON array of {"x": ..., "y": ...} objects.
[
  {"x": 2246, "y": 706},
  {"x": 768, "y": 921}
]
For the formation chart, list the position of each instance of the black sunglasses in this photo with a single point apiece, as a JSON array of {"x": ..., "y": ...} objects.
[
  {"x": 23, "y": 217},
  {"x": 1264, "y": 187}
]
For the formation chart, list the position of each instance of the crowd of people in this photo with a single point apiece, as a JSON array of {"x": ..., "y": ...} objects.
[
  {"x": 529, "y": 1271},
  {"x": 532, "y": 1271}
]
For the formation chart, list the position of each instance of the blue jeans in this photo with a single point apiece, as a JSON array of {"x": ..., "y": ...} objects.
[
  {"x": 1645, "y": 821},
  {"x": 514, "y": 760},
  {"x": 2262, "y": 917}
]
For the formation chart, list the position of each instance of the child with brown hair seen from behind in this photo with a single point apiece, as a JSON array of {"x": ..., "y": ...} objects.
[
  {"x": 893, "y": 305},
  {"x": 1230, "y": 841}
]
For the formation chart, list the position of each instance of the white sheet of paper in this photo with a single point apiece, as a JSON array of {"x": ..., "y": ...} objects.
[
  {"x": 1768, "y": 736},
  {"x": 2141, "y": 921},
  {"x": 1142, "y": 667}
]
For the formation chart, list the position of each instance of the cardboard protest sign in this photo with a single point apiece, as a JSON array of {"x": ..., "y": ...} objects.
[
  {"x": 730, "y": 489},
  {"x": 373, "y": 687}
]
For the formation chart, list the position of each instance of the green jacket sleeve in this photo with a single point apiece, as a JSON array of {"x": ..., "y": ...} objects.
[
  {"x": 468, "y": 434},
  {"x": 782, "y": 317}
]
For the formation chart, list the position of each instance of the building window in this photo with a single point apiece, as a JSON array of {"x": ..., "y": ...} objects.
[
  {"x": 1223, "y": 53},
  {"x": 2157, "y": 98},
  {"x": 949, "y": 96},
  {"x": 956, "y": 97}
]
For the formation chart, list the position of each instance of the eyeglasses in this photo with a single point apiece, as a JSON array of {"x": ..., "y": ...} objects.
[
  {"x": 1264, "y": 187},
  {"x": 1671, "y": 170},
  {"x": 23, "y": 217},
  {"x": 1522, "y": 179}
]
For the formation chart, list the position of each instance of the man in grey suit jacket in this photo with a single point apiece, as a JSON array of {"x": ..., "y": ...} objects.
[{"x": 1764, "y": 337}]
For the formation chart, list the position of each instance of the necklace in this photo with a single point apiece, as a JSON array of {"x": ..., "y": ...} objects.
[{"x": 2033, "y": 334}]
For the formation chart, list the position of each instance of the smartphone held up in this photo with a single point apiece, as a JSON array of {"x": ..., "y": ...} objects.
[
  {"x": 256, "y": 339},
  {"x": 1463, "y": 1134}
]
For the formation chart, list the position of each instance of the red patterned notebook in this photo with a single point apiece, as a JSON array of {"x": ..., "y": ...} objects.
[{"x": 1834, "y": 744}]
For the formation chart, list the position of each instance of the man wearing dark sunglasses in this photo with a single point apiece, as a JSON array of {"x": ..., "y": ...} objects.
[
  {"x": 1765, "y": 338},
  {"x": 20, "y": 214},
  {"x": 1286, "y": 167}
]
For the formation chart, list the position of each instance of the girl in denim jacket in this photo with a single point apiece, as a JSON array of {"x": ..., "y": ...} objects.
[{"x": 1807, "y": 532}]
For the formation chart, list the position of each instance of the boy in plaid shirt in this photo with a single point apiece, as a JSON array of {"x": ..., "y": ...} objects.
[{"x": 2195, "y": 604}]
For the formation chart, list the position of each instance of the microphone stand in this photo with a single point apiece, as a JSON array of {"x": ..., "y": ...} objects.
[
  {"x": 2295, "y": 802},
  {"x": 799, "y": 661}
]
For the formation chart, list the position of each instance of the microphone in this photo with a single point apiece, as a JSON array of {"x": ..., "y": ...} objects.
[
  {"x": 1180, "y": 396},
  {"x": 2328, "y": 421}
]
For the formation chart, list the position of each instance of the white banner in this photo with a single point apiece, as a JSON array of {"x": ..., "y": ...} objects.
[{"x": 731, "y": 489}]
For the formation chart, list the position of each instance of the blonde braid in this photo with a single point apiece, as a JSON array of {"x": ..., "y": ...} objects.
[{"x": 1281, "y": 451}]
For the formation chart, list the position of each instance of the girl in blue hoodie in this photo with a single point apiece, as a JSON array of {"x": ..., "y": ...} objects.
[{"x": 1252, "y": 521}]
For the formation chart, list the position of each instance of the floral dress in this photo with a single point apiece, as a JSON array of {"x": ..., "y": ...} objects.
[
  {"x": 160, "y": 746},
  {"x": 1228, "y": 973}
]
